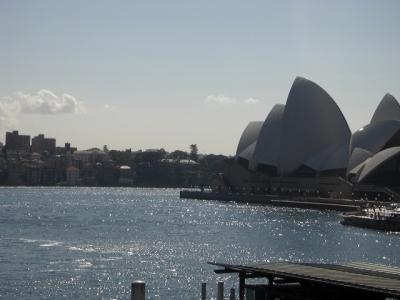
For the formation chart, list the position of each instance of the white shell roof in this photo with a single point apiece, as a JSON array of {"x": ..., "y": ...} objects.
[
  {"x": 268, "y": 143},
  {"x": 373, "y": 137},
  {"x": 357, "y": 169},
  {"x": 311, "y": 122},
  {"x": 357, "y": 157},
  {"x": 248, "y": 152},
  {"x": 388, "y": 109},
  {"x": 248, "y": 136},
  {"x": 331, "y": 158},
  {"x": 377, "y": 160}
]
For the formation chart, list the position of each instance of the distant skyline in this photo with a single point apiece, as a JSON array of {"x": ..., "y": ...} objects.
[{"x": 149, "y": 74}]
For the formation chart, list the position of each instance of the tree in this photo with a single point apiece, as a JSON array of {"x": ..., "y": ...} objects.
[
  {"x": 194, "y": 152},
  {"x": 105, "y": 148}
]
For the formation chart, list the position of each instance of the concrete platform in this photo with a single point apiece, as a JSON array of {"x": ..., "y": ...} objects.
[{"x": 277, "y": 200}]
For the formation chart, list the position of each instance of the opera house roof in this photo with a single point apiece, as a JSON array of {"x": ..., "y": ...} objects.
[
  {"x": 309, "y": 136},
  {"x": 376, "y": 143}
]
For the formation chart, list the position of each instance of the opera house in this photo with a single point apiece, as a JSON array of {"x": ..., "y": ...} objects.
[{"x": 306, "y": 147}]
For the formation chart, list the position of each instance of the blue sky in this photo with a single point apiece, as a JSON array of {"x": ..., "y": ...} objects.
[{"x": 168, "y": 74}]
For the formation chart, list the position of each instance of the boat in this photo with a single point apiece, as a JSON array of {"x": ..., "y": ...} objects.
[{"x": 380, "y": 218}]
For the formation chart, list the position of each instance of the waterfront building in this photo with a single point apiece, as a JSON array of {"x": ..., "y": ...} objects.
[
  {"x": 125, "y": 175},
  {"x": 14, "y": 173},
  {"x": 305, "y": 146},
  {"x": 72, "y": 175},
  {"x": 3, "y": 170},
  {"x": 40, "y": 144},
  {"x": 17, "y": 142},
  {"x": 374, "y": 148},
  {"x": 107, "y": 174},
  {"x": 88, "y": 174},
  {"x": 33, "y": 173},
  {"x": 49, "y": 176},
  {"x": 54, "y": 170}
]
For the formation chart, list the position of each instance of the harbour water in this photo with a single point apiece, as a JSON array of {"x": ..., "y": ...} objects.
[{"x": 91, "y": 243}]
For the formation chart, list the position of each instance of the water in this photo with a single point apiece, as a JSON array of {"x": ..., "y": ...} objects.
[{"x": 91, "y": 243}]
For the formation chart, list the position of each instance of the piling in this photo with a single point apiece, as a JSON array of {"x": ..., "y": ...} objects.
[
  {"x": 232, "y": 294},
  {"x": 138, "y": 290},
  {"x": 250, "y": 294},
  {"x": 203, "y": 291},
  {"x": 220, "y": 290},
  {"x": 242, "y": 281}
]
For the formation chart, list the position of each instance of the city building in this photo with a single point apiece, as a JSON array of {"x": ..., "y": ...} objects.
[
  {"x": 125, "y": 175},
  {"x": 40, "y": 144},
  {"x": 93, "y": 156},
  {"x": 17, "y": 142},
  {"x": 72, "y": 175},
  {"x": 67, "y": 149}
]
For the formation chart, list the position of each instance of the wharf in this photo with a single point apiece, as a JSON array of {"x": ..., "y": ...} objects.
[
  {"x": 344, "y": 205},
  {"x": 311, "y": 281}
]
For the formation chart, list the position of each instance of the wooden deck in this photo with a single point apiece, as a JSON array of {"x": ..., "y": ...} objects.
[{"x": 320, "y": 281}]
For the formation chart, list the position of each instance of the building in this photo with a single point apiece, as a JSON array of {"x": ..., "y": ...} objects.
[
  {"x": 92, "y": 156},
  {"x": 308, "y": 135},
  {"x": 72, "y": 175},
  {"x": 17, "y": 142},
  {"x": 40, "y": 144},
  {"x": 305, "y": 146},
  {"x": 67, "y": 149},
  {"x": 374, "y": 156},
  {"x": 125, "y": 175},
  {"x": 33, "y": 173}
]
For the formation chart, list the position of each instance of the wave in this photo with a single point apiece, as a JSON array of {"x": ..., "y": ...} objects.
[{"x": 43, "y": 243}]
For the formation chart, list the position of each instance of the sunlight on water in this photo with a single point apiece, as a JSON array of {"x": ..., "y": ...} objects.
[{"x": 70, "y": 243}]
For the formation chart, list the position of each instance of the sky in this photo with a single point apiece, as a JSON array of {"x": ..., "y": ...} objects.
[{"x": 167, "y": 74}]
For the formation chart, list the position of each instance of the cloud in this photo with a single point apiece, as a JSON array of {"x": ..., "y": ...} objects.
[
  {"x": 9, "y": 110},
  {"x": 47, "y": 102},
  {"x": 219, "y": 99},
  {"x": 42, "y": 102},
  {"x": 251, "y": 101},
  {"x": 110, "y": 107}
]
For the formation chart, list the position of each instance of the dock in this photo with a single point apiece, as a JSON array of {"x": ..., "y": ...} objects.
[
  {"x": 286, "y": 280},
  {"x": 344, "y": 205}
]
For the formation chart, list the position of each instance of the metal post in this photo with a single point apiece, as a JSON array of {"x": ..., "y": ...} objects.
[
  {"x": 220, "y": 294},
  {"x": 138, "y": 290},
  {"x": 232, "y": 294},
  {"x": 203, "y": 291}
]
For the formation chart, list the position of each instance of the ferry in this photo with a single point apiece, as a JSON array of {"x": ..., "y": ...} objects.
[{"x": 380, "y": 218}]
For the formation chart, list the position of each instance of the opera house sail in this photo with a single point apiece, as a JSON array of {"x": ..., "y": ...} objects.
[
  {"x": 376, "y": 144},
  {"x": 306, "y": 144}
]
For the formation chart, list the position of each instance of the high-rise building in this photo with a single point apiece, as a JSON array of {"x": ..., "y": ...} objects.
[
  {"x": 41, "y": 144},
  {"x": 15, "y": 141}
]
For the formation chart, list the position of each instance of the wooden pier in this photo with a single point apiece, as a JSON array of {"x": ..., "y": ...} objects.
[{"x": 309, "y": 281}]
